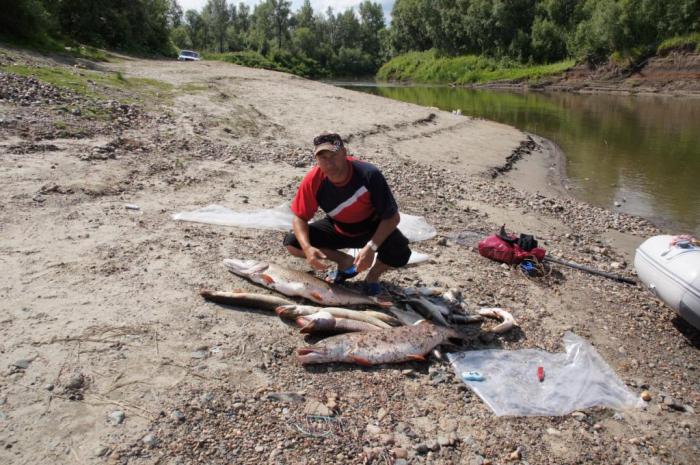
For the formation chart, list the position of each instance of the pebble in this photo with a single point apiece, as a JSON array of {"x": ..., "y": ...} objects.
[
  {"x": 316, "y": 407},
  {"x": 22, "y": 363},
  {"x": 646, "y": 396},
  {"x": 178, "y": 416},
  {"x": 101, "y": 451},
  {"x": 373, "y": 429},
  {"x": 400, "y": 452},
  {"x": 117, "y": 417},
  {"x": 200, "y": 354},
  {"x": 446, "y": 439},
  {"x": 259, "y": 449},
  {"x": 421, "y": 448},
  {"x": 149, "y": 440},
  {"x": 433, "y": 445},
  {"x": 76, "y": 381},
  {"x": 553, "y": 432}
]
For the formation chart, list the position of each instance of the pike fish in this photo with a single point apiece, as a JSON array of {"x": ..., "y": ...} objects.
[
  {"x": 297, "y": 283},
  {"x": 498, "y": 313},
  {"x": 292, "y": 312},
  {"x": 384, "y": 346},
  {"x": 320, "y": 324},
  {"x": 244, "y": 299},
  {"x": 431, "y": 311}
]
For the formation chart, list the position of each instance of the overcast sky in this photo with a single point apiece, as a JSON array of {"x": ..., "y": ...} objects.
[{"x": 318, "y": 5}]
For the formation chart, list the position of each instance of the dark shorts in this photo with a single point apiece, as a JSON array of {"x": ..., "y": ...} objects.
[{"x": 394, "y": 250}]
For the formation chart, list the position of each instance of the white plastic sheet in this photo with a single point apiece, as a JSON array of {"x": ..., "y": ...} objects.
[
  {"x": 279, "y": 218},
  {"x": 574, "y": 380},
  {"x": 415, "y": 228}
]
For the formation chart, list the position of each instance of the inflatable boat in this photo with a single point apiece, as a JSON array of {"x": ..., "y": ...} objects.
[{"x": 670, "y": 267}]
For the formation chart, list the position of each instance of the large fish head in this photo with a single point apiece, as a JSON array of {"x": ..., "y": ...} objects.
[
  {"x": 319, "y": 354},
  {"x": 319, "y": 322},
  {"x": 245, "y": 267}
]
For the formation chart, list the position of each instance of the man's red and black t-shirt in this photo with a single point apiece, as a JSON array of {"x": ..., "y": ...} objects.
[{"x": 355, "y": 207}]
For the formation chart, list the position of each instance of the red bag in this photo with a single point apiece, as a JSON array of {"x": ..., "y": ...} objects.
[{"x": 501, "y": 250}]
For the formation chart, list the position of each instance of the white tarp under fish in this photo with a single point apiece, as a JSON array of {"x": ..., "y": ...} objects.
[
  {"x": 574, "y": 380},
  {"x": 415, "y": 228}
]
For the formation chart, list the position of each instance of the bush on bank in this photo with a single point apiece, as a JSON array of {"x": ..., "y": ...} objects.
[
  {"x": 690, "y": 42},
  {"x": 430, "y": 67}
]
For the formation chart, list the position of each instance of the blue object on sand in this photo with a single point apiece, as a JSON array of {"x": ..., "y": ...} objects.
[{"x": 472, "y": 376}]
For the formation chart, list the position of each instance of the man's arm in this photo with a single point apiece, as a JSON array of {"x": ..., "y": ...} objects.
[
  {"x": 313, "y": 255},
  {"x": 387, "y": 226}
]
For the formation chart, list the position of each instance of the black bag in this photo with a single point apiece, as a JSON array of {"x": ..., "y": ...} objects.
[{"x": 527, "y": 242}]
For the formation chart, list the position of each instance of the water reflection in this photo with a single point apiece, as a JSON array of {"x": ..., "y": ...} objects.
[{"x": 640, "y": 151}]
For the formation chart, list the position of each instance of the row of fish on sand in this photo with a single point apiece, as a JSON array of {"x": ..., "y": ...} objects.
[{"x": 416, "y": 326}]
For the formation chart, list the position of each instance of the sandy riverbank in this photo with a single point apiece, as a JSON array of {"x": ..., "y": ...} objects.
[{"x": 101, "y": 313}]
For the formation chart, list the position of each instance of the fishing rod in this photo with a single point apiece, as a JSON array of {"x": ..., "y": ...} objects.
[{"x": 616, "y": 277}]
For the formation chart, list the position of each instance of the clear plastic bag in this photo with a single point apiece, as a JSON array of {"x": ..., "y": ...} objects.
[
  {"x": 576, "y": 379},
  {"x": 415, "y": 228}
]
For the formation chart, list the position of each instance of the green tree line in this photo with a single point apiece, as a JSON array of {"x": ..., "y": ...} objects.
[
  {"x": 357, "y": 41},
  {"x": 130, "y": 25},
  {"x": 317, "y": 43},
  {"x": 541, "y": 31}
]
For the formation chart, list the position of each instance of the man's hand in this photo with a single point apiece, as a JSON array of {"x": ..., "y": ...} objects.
[
  {"x": 314, "y": 257},
  {"x": 364, "y": 259}
]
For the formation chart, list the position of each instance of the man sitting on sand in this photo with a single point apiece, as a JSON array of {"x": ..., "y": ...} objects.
[{"x": 361, "y": 213}]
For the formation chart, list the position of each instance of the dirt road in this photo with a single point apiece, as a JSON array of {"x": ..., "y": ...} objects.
[{"x": 110, "y": 356}]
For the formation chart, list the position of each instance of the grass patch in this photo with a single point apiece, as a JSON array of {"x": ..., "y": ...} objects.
[
  {"x": 428, "y": 67},
  {"x": 94, "y": 84},
  {"x": 47, "y": 45},
  {"x": 690, "y": 43},
  {"x": 192, "y": 87}
]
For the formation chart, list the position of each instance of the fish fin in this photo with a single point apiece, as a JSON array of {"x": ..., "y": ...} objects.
[
  {"x": 317, "y": 296},
  {"x": 416, "y": 357},
  {"x": 382, "y": 303},
  {"x": 361, "y": 361},
  {"x": 267, "y": 278}
]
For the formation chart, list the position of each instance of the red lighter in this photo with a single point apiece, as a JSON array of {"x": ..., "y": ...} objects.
[{"x": 540, "y": 373}]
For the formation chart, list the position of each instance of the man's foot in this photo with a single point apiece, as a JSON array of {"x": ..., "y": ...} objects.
[
  {"x": 372, "y": 289},
  {"x": 339, "y": 276}
]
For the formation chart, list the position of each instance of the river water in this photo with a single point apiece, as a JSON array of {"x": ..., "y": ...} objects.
[{"x": 641, "y": 152}]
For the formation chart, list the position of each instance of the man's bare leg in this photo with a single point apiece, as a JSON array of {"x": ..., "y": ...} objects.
[{"x": 376, "y": 271}]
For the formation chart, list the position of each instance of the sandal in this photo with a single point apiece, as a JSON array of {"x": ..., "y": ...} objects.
[{"x": 340, "y": 276}]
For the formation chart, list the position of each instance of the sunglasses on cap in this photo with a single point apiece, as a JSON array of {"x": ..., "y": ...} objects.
[{"x": 328, "y": 139}]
